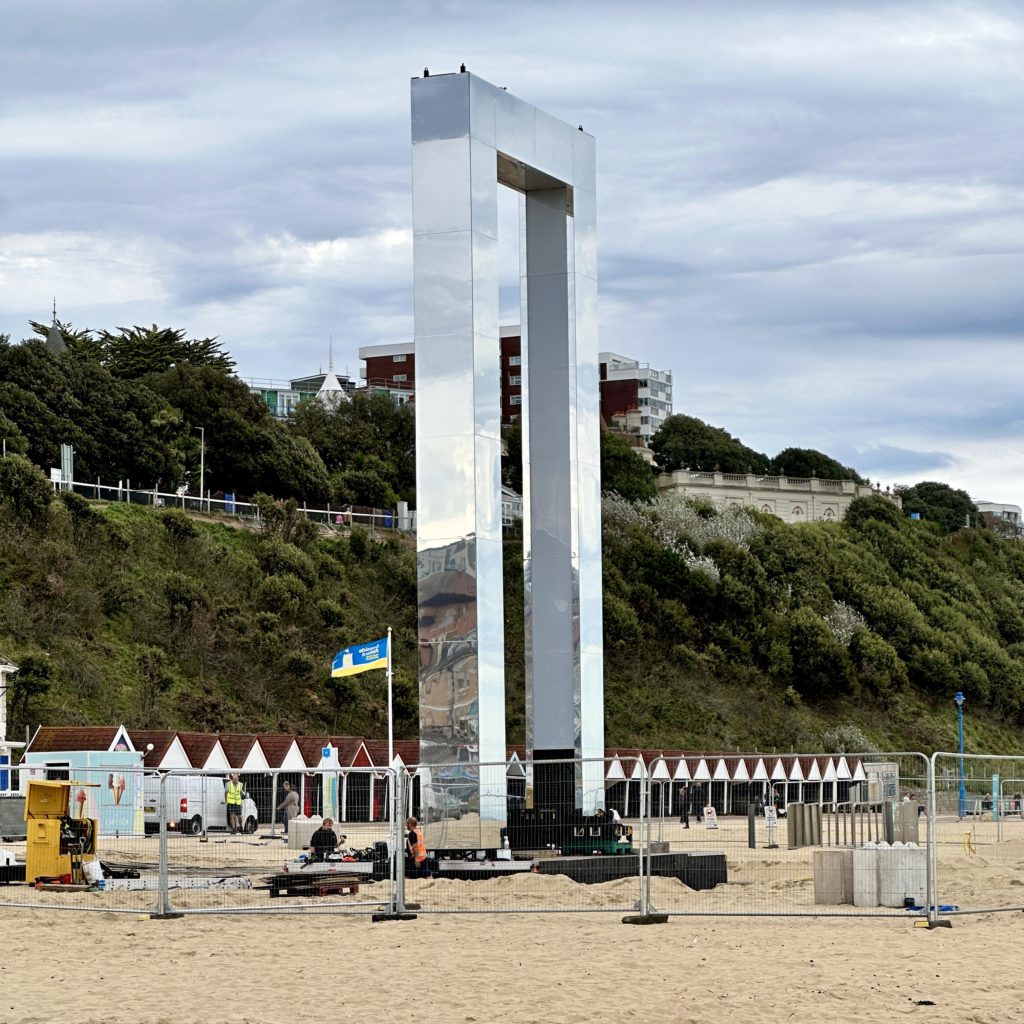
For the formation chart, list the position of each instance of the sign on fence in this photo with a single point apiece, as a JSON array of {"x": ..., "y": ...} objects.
[{"x": 710, "y": 817}]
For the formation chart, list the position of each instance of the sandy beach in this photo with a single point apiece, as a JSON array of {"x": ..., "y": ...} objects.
[
  {"x": 108, "y": 968},
  {"x": 567, "y": 965}
]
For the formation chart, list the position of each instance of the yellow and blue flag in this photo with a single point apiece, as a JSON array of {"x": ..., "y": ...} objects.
[{"x": 360, "y": 658}]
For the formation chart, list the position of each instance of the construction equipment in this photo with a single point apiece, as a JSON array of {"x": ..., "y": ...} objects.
[{"x": 58, "y": 844}]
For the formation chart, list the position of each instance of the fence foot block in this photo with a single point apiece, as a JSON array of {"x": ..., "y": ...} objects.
[
  {"x": 392, "y": 917},
  {"x": 170, "y": 915},
  {"x": 942, "y": 923},
  {"x": 646, "y": 919}
]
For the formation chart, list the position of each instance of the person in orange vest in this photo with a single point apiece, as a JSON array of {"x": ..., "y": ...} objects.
[{"x": 415, "y": 851}]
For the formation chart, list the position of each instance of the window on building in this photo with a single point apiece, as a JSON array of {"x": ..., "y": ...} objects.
[
  {"x": 515, "y": 360},
  {"x": 400, "y": 377},
  {"x": 515, "y": 378},
  {"x": 515, "y": 399},
  {"x": 398, "y": 359},
  {"x": 797, "y": 510}
]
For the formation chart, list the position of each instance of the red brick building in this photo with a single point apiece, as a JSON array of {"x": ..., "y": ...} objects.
[{"x": 627, "y": 386}]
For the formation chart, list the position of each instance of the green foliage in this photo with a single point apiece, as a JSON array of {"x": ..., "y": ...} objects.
[
  {"x": 685, "y": 442},
  {"x": 284, "y": 521},
  {"x": 623, "y": 470},
  {"x": 280, "y": 594},
  {"x": 367, "y": 446},
  {"x": 35, "y": 675},
  {"x": 24, "y": 492},
  {"x": 808, "y": 462},
  {"x": 939, "y": 503},
  {"x": 14, "y": 441}
]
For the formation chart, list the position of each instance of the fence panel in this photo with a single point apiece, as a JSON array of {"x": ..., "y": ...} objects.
[
  {"x": 979, "y": 849},
  {"x": 770, "y": 834},
  {"x": 529, "y": 837},
  {"x": 85, "y": 841},
  {"x": 278, "y": 861}
]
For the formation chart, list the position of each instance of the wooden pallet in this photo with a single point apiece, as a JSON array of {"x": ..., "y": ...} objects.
[{"x": 319, "y": 884}]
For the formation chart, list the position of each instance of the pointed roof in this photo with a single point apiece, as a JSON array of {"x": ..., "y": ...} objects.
[
  {"x": 55, "y": 344},
  {"x": 275, "y": 748},
  {"x": 331, "y": 392},
  {"x": 198, "y": 746},
  {"x": 311, "y": 748},
  {"x": 237, "y": 746},
  {"x": 167, "y": 751}
]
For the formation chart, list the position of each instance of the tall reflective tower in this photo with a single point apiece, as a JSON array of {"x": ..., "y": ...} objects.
[{"x": 468, "y": 136}]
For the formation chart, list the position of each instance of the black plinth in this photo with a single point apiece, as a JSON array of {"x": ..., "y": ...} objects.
[{"x": 695, "y": 870}]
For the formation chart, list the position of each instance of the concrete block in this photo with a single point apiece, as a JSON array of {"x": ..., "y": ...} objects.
[
  {"x": 865, "y": 876},
  {"x": 833, "y": 876},
  {"x": 300, "y": 828},
  {"x": 902, "y": 875}
]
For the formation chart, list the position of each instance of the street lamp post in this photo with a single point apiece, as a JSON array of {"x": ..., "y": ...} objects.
[
  {"x": 959, "y": 698},
  {"x": 202, "y": 464}
]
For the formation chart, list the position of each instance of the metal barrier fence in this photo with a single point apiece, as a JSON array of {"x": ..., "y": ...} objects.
[
  {"x": 542, "y": 836},
  {"x": 236, "y": 507},
  {"x": 743, "y": 819},
  {"x": 883, "y": 834},
  {"x": 98, "y": 814},
  {"x": 979, "y": 832}
]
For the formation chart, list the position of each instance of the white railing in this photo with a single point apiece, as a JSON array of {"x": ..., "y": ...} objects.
[{"x": 336, "y": 518}]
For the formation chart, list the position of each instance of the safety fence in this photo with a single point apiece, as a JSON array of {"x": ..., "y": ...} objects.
[
  {"x": 880, "y": 834},
  {"x": 978, "y": 850},
  {"x": 236, "y": 507}
]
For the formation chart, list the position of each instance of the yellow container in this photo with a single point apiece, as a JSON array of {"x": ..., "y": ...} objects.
[{"x": 57, "y": 844}]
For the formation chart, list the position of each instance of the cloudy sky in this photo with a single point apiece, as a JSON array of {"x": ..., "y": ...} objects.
[{"x": 812, "y": 213}]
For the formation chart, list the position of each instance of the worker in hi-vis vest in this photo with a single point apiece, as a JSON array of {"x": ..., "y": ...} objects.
[
  {"x": 233, "y": 794},
  {"x": 415, "y": 850}
]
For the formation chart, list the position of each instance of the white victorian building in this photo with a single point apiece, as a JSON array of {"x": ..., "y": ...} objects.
[{"x": 792, "y": 499}]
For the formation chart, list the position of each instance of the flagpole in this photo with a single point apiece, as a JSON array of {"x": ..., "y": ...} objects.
[{"x": 391, "y": 717}]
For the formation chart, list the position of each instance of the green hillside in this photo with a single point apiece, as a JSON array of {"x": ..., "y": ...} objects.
[{"x": 721, "y": 631}]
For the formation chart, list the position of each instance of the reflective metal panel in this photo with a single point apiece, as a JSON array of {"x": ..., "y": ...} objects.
[{"x": 461, "y": 126}]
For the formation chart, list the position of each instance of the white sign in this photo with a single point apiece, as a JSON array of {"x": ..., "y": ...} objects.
[
  {"x": 710, "y": 817},
  {"x": 56, "y": 477},
  {"x": 771, "y": 818}
]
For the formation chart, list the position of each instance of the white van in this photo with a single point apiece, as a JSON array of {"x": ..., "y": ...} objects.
[{"x": 195, "y": 804}]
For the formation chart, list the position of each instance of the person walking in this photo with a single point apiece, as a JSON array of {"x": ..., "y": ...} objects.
[
  {"x": 684, "y": 801},
  {"x": 288, "y": 808},
  {"x": 233, "y": 793}
]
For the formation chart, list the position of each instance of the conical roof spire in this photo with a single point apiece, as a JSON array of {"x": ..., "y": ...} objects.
[
  {"x": 55, "y": 344},
  {"x": 331, "y": 392}
]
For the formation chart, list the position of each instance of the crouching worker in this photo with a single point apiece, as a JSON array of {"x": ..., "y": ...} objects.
[
  {"x": 324, "y": 842},
  {"x": 415, "y": 851}
]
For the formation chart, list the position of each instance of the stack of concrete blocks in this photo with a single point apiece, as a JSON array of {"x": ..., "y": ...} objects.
[
  {"x": 872, "y": 875},
  {"x": 803, "y": 825}
]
